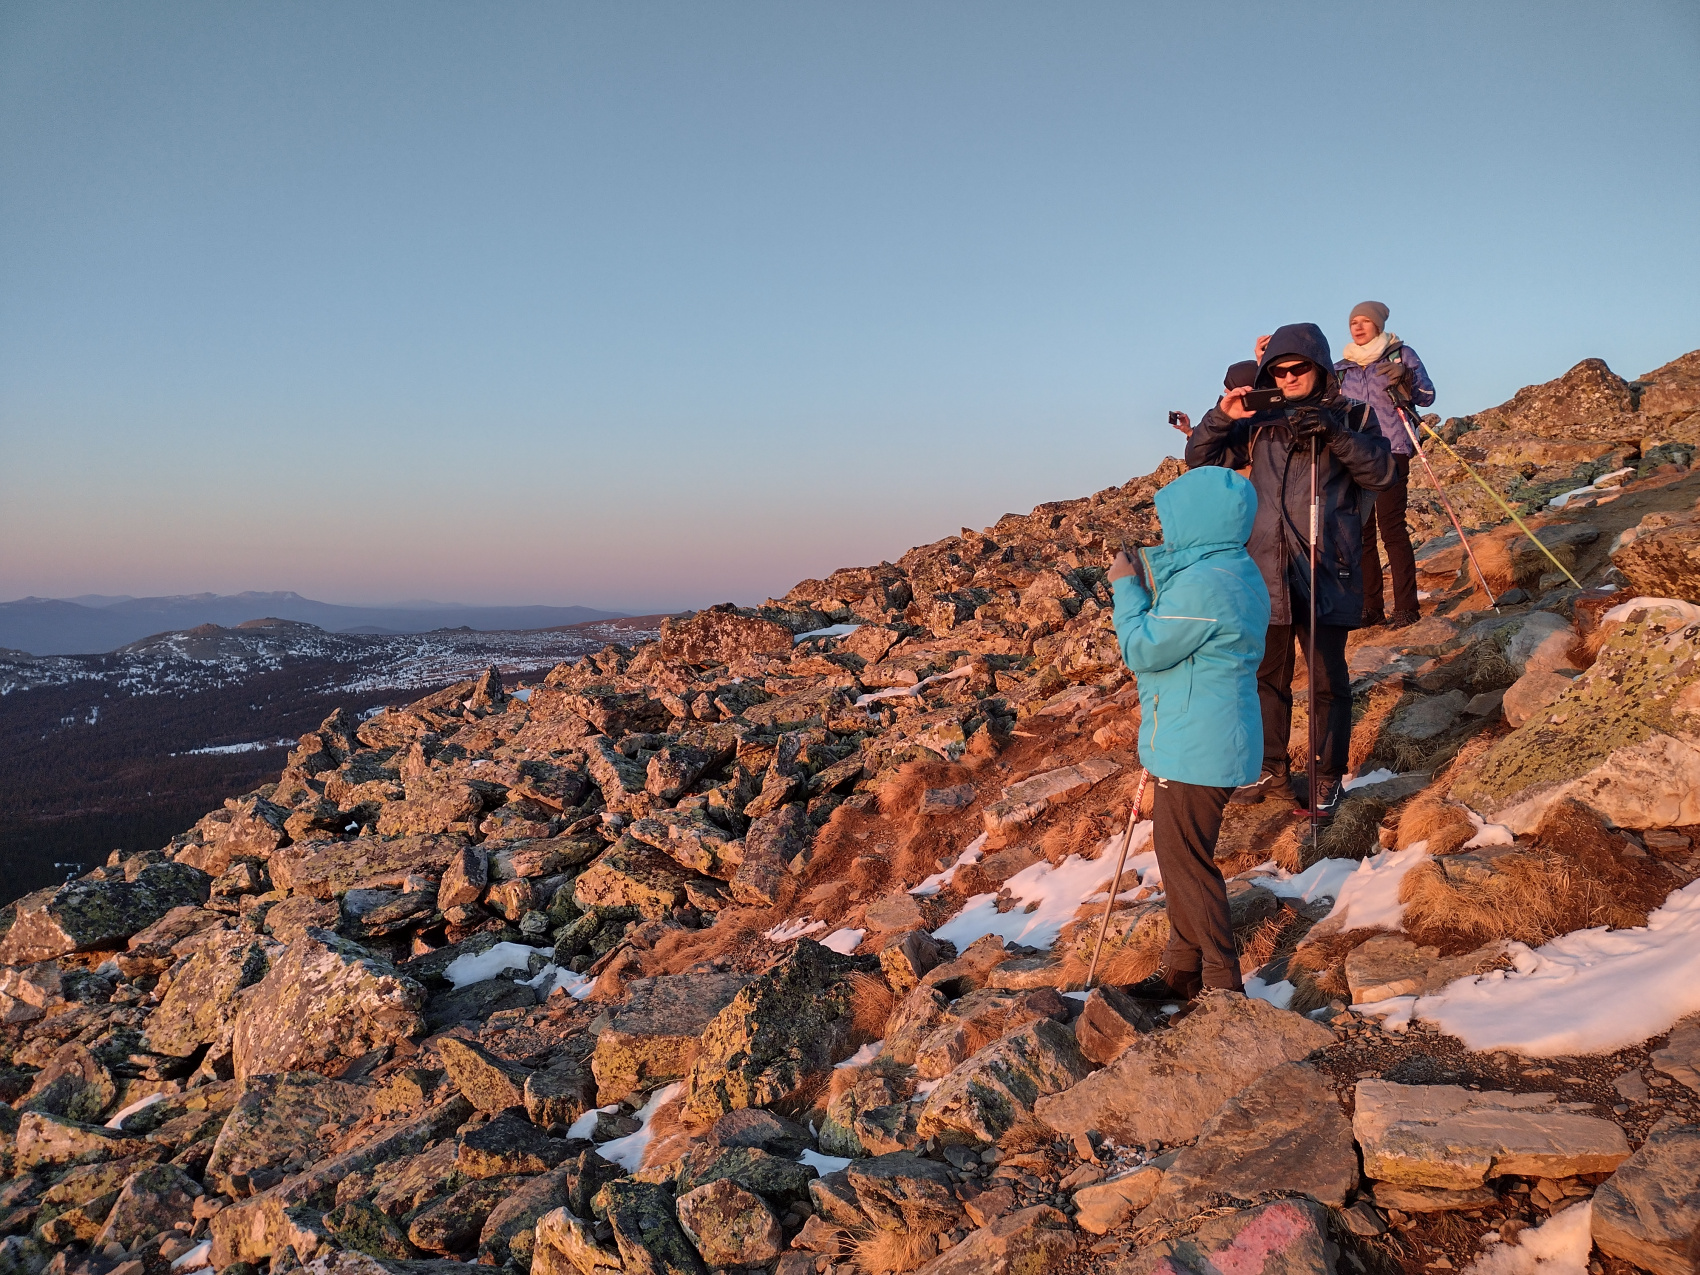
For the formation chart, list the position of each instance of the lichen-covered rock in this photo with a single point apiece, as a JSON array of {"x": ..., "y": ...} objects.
[
  {"x": 690, "y": 839},
  {"x": 46, "y": 1141},
  {"x": 361, "y": 1226},
  {"x": 655, "y": 1036},
  {"x": 774, "y": 843},
  {"x": 1165, "y": 1085},
  {"x": 646, "y": 1230},
  {"x": 452, "y": 1224},
  {"x": 75, "y": 1084},
  {"x": 560, "y": 1093},
  {"x": 722, "y": 636},
  {"x": 730, "y": 1226},
  {"x": 325, "y": 869},
  {"x": 903, "y": 1192},
  {"x": 566, "y": 1245},
  {"x": 995, "y": 1089},
  {"x": 753, "y": 1127},
  {"x": 633, "y": 877},
  {"x": 88, "y": 915},
  {"x": 782, "y": 1028},
  {"x": 906, "y": 956},
  {"x": 323, "y": 999},
  {"x": 781, "y": 1182},
  {"x": 1624, "y": 739},
  {"x": 153, "y": 1199},
  {"x": 508, "y": 1145},
  {"x": 1110, "y": 1021},
  {"x": 509, "y": 1233},
  {"x": 200, "y": 1004},
  {"x": 282, "y": 1123},
  {"x": 490, "y": 1083}
]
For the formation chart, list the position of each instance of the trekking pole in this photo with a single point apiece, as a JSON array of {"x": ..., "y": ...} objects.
[
  {"x": 1116, "y": 884},
  {"x": 1407, "y": 411},
  {"x": 1500, "y": 501},
  {"x": 1314, "y": 812}
]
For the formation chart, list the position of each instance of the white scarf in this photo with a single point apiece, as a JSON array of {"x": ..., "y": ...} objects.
[{"x": 1364, "y": 355}]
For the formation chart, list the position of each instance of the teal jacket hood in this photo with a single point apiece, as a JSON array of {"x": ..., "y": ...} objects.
[{"x": 1194, "y": 639}]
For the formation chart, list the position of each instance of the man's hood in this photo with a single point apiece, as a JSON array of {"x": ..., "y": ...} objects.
[
  {"x": 1305, "y": 340},
  {"x": 1206, "y": 507}
]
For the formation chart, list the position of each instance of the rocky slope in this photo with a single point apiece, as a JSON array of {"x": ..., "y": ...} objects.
[{"x": 761, "y": 946}]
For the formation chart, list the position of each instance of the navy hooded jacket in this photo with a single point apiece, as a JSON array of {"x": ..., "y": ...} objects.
[{"x": 1354, "y": 458}]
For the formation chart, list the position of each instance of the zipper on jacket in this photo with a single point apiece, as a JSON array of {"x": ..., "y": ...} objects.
[
  {"x": 1156, "y": 702},
  {"x": 1150, "y": 575}
]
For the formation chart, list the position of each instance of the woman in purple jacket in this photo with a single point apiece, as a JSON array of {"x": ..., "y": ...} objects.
[{"x": 1382, "y": 371}]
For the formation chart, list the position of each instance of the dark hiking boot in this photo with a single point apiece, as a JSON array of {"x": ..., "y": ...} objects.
[
  {"x": 1168, "y": 985},
  {"x": 1404, "y": 619},
  {"x": 1329, "y": 792},
  {"x": 1268, "y": 784},
  {"x": 1373, "y": 620}
]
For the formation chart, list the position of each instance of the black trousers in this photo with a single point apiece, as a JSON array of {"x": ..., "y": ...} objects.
[
  {"x": 1188, "y": 819},
  {"x": 1333, "y": 707},
  {"x": 1388, "y": 514}
]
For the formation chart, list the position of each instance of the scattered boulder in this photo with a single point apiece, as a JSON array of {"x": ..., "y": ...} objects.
[
  {"x": 281, "y": 1124},
  {"x": 201, "y": 999},
  {"x": 323, "y": 999},
  {"x": 490, "y": 1083},
  {"x": 87, "y": 915},
  {"x": 1283, "y": 1132},
  {"x": 1680, "y": 1057},
  {"x": 1448, "y": 1136},
  {"x": 1103, "y": 1206},
  {"x": 1110, "y": 1021},
  {"x": 996, "y": 1088},
  {"x": 1648, "y": 1211},
  {"x": 1165, "y": 1085},
  {"x": 723, "y": 636},
  {"x": 633, "y": 877},
  {"x": 508, "y": 1145},
  {"x": 729, "y": 1225},
  {"x": 646, "y": 1230},
  {"x": 1025, "y": 801},
  {"x": 655, "y": 1036},
  {"x": 1034, "y": 1239},
  {"x": 325, "y": 869},
  {"x": 1287, "y": 1237},
  {"x": 153, "y": 1199}
]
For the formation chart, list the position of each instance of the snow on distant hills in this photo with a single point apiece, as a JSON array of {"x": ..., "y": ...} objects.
[{"x": 94, "y": 623}]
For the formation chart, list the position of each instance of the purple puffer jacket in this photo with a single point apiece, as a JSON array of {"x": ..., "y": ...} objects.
[{"x": 1359, "y": 383}]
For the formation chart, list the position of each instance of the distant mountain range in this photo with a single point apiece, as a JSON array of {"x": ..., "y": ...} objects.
[{"x": 94, "y": 623}]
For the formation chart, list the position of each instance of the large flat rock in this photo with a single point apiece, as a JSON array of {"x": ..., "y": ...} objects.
[
  {"x": 1283, "y": 1132},
  {"x": 1288, "y": 1237},
  {"x": 1165, "y": 1085},
  {"x": 1447, "y": 1136},
  {"x": 325, "y": 869},
  {"x": 89, "y": 915},
  {"x": 1648, "y": 1212},
  {"x": 654, "y": 1036}
]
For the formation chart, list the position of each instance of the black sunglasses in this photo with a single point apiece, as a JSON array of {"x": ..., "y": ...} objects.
[{"x": 1289, "y": 369}]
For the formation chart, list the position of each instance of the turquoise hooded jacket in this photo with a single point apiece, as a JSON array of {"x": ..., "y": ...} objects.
[{"x": 1195, "y": 638}]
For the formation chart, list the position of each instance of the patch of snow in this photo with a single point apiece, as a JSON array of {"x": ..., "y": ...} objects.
[
  {"x": 863, "y": 1056},
  {"x": 1488, "y": 834},
  {"x": 1369, "y": 897},
  {"x": 1687, "y": 612},
  {"x": 1322, "y": 880},
  {"x": 195, "y": 1258},
  {"x": 585, "y": 1125},
  {"x": 1077, "y": 996},
  {"x": 1602, "y": 483},
  {"x": 475, "y": 967},
  {"x": 824, "y": 1164},
  {"x": 1558, "y": 1246},
  {"x": 933, "y": 884},
  {"x": 256, "y": 746},
  {"x": 1587, "y": 992},
  {"x": 1046, "y": 900},
  {"x": 1374, "y": 777},
  {"x": 902, "y": 692},
  {"x": 1280, "y": 995},
  {"x": 627, "y": 1152},
  {"x": 523, "y": 694},
  {"x": 831, "y": 630},
  {"x": 552, "y": 978},
  {"x": 843, "y": 941},
  {"x": 1394, "y": 1012},
  {"x": 141, "y": 1104},
  {"x": 925, "y": 1087},
  {"x": 790, "y": 931}
]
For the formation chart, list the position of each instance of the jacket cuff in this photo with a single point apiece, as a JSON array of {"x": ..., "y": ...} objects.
[{"x": 1128, "y": 592}]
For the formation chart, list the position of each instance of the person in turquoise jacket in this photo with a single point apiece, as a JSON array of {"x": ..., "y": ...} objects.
[{"x": 1190, "y": 617}]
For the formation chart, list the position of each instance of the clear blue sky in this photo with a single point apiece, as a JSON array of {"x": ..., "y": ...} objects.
[{"x": 651, "y": 305}]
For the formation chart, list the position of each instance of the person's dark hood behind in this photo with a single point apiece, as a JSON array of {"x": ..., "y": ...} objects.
[
  {"x": 1306, "y": 341},
  {"x": 1241, "y": 375}
]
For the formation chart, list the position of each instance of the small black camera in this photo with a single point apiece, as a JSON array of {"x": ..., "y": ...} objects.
[{"x": 1174, "y": 418}]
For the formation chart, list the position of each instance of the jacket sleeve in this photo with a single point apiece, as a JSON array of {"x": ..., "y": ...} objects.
[
  {"x": 1367, "y": 456},
  {"x": 1153, "y": 641},
  {"x": 1422, "y": 389},
  {"x": 1218, "y": 439}
]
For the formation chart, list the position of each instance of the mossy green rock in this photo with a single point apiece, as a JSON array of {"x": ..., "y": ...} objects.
[
  {"x": 1624, "y": 740},
  {"x": 780, "y": 1182},
  {"x": 783, "y": 1028},
  {"x": 91, "y": 915},
  {"x": 646, "y": 1229},
  {"x": 635, "y": 876},
  {"x": 995, "y": 1089},
  {"x": 360, "y": 1226}
]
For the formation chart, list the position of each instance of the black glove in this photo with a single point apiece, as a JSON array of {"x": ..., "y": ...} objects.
[
  {"x": 1310, "y": 422},
  {"x": 1393, "y": 378}
]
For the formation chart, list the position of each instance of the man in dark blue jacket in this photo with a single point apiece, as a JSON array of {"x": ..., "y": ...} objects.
[
  {"x": 1381, "y": 370},
  {"x": 1354, "y": 458}
]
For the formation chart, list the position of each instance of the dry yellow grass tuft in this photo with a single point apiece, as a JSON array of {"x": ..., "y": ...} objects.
[
  {"x": 731, "y": 935},
  {"x": 886, "y": 1252},
  {"x": 871, "y": 1003},
  {"x": 1431, "y": 818}
]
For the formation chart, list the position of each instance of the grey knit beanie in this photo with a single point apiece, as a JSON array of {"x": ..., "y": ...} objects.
[{"x": 1373, "y": 311}]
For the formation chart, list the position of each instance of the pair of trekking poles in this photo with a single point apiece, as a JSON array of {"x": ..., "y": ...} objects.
[{"x": 1407, "y": 413}]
